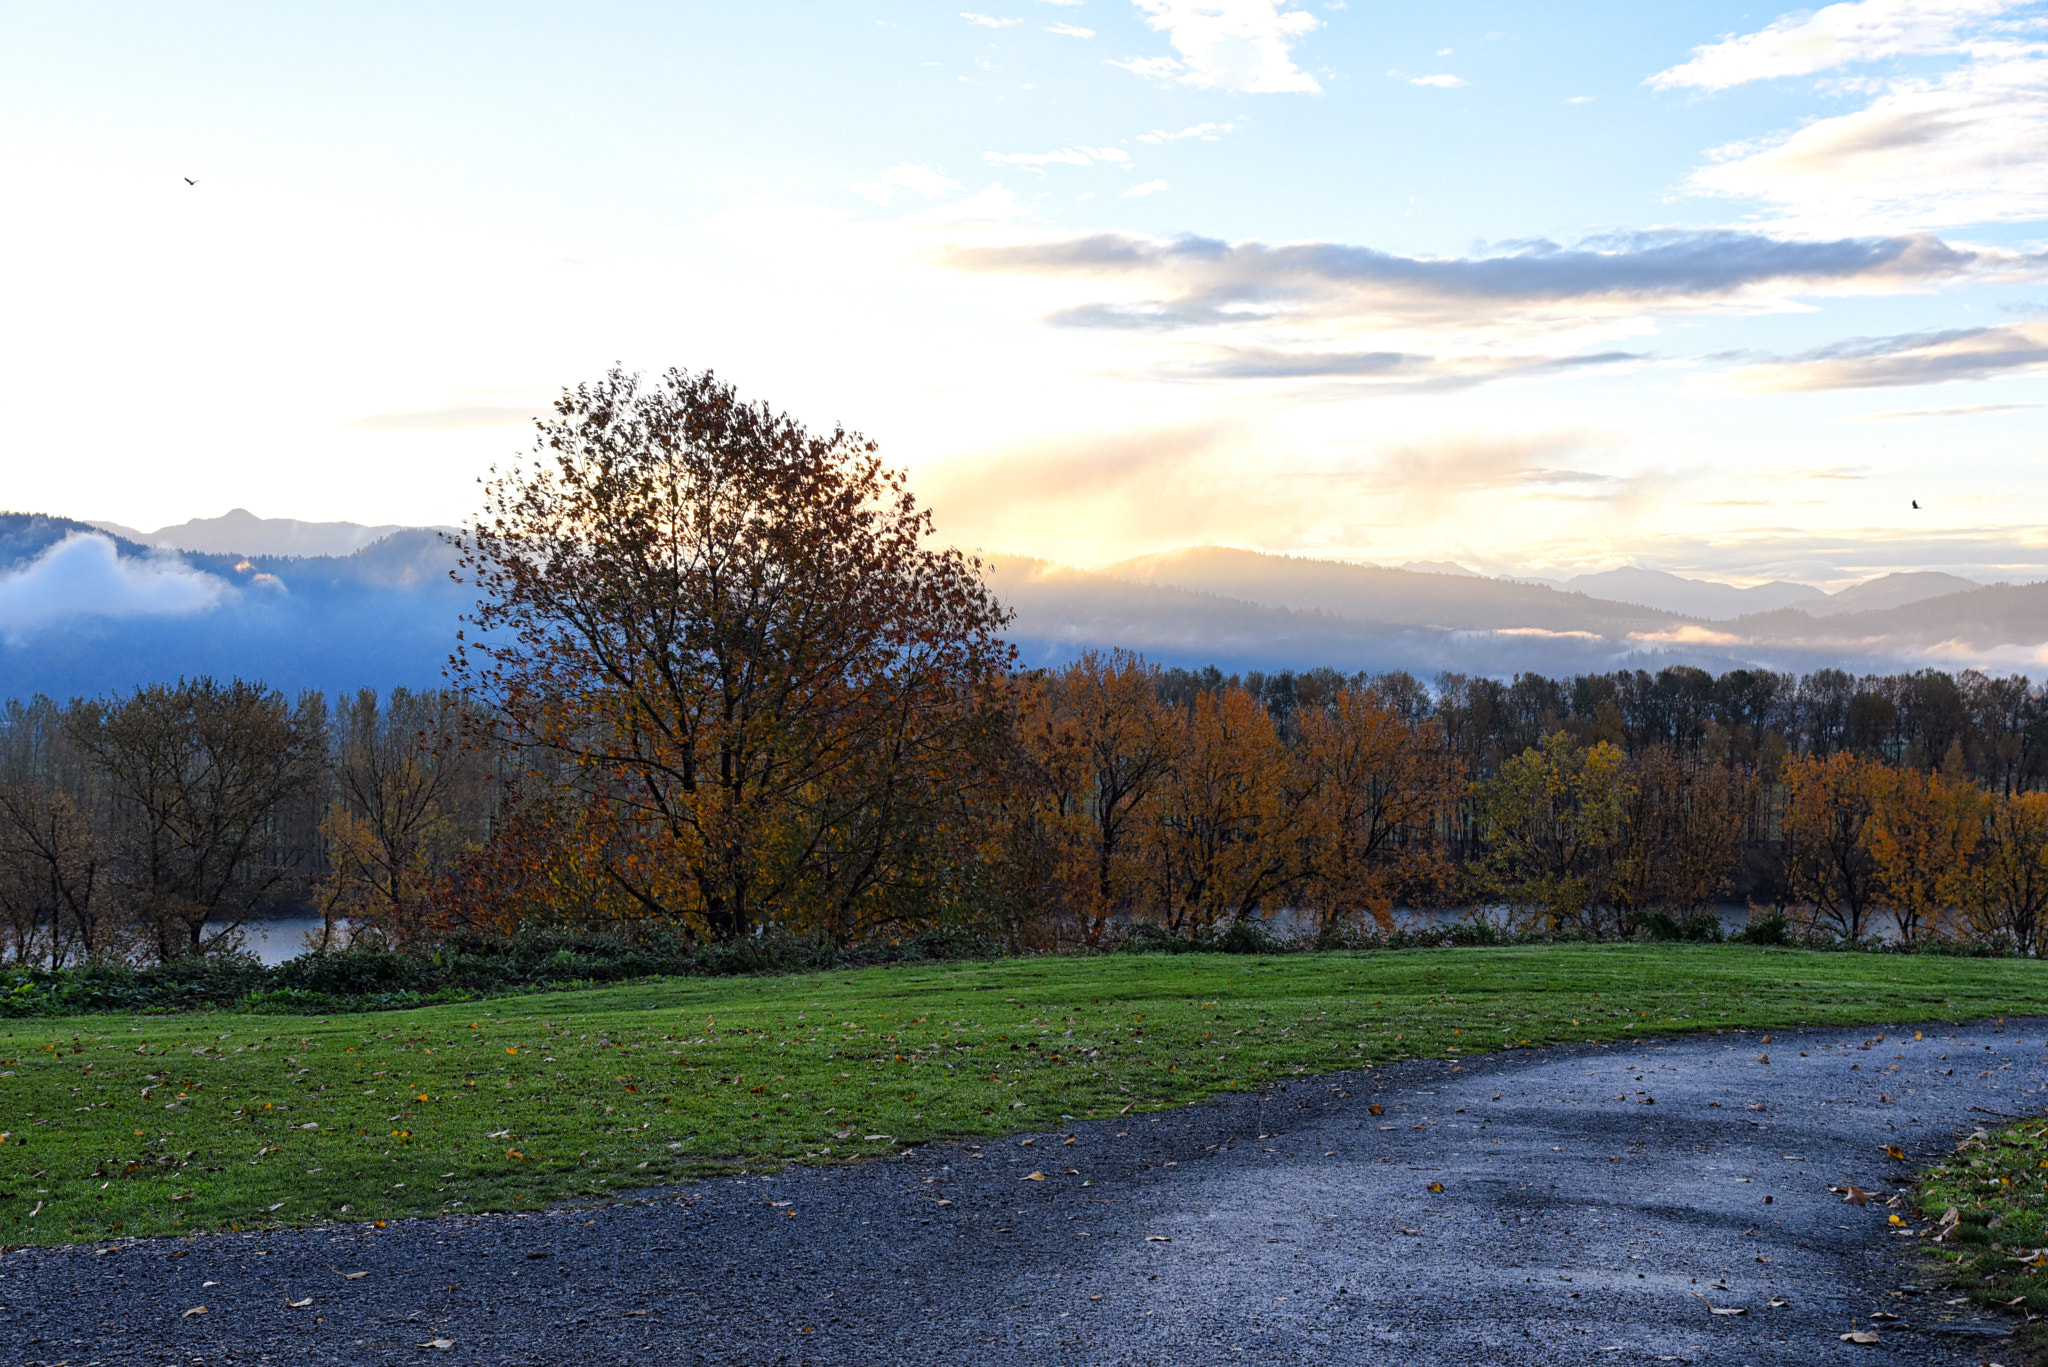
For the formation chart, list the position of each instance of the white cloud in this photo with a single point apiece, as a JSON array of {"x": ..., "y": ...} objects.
[
  {"x": 84, "y": 576},
  {"x": 1207, "y": 132},
  {"x": 1802, "y": 44},
  {"x": 1581, "y": 99},
  {"x": 1066, "y": 156},
  {"x": 1240, "y": 45},
  {"x": 1150, "y": 187},
  {"x": 1443, "y": 81},
  {"x": 1964, "y": 147},
  {"x": 1071, "y": 31},
  {"x": 988, "y": 21},
  {"x": 928, "y": 181}
]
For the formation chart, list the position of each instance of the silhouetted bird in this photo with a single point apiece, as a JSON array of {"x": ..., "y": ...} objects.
[
  {"x": 190, "y": 181},
  {"x": 1916, "y": 503}
]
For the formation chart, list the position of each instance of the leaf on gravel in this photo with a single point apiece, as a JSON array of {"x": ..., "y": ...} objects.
[
  {"x": 1894, "y": 1151},
  {"x": 944, "y": 1203},
  {"x": 291, "y": 1304},
  {"x": 1764, "y": 1257},
  {"x": 1411, "y": 1231},
  {"x": 1860, "y": 1336},
  {"x": 1883, "y": 1315},
  {"x": 1032, "y": 1177},
  {"x": 443, "y": 1344},
  {"x": 347, "y": 1276},
  {"x": 1777, "y": 1302},
  {"x": 1720, "y": 1309},
  {"x": 1158, "y": 1239},
  {"x": 1070, "y": 1139},
  {"x": 1436, "y": 1186},
  {"x": 195, "y": 1310},
  {"x": 1855, "y": 1195},
  {"x": 1763, "y": 1058},
  {"x": 1026, "y": 1143},
  {"x": 1376, "y": 1109}
]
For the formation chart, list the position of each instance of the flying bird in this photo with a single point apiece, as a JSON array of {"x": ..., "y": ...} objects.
[{"x": 190, "y": 181}]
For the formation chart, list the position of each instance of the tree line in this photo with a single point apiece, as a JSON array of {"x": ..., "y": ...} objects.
[{"x": 720, "y": 683}]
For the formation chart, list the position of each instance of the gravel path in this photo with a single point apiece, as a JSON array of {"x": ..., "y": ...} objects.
[{"x": 1592, "y": 1199}]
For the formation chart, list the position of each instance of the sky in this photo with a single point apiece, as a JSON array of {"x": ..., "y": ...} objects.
[{"x": 1703, "y": 287}]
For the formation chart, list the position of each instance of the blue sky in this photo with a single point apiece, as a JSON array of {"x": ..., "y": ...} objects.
[{"x": 1714, "y": 288}]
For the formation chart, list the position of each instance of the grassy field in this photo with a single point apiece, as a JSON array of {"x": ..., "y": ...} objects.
[{"x": 121, "y": 1126}]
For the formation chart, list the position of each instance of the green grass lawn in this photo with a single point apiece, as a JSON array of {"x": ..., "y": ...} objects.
[{"x": 118, "y": 1126}]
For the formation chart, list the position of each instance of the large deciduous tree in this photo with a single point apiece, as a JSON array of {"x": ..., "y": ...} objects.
[{"x": 734, "y": 631}]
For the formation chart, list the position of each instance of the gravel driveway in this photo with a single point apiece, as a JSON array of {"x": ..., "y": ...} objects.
[{"x": 1595, "y": 1202}]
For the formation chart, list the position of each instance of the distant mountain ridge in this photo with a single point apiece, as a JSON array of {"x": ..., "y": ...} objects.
[
  {"x": 240, "y": 532},
  {"x": 86, "y": 610}
]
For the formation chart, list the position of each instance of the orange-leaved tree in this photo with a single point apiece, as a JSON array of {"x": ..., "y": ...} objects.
[
  {"x": 1829, "y": 804},
  {"x": 732, "y": 630},
  {"x": 1374, "y": 788},
  {"x": 1922, "y": 834},
  {"x": 1219, "y": 845}
]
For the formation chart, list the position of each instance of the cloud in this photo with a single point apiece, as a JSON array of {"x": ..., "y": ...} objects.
[
  {"x": 1166, "y": 283},
  {"x": 1237, "y": 45},
  {"x": 455, "y": 417},
  {"x": 928, "y": 181},
  {"x": 1443, "y": 81},
  {"x": 1911, "y": 359},
  {"x": 1390, "y": 369},
  {"x": 1071, "y": 31},
  {"x": 1066, "y": 156},
  {"x": 1686, "y": 636},
  {"x": 1837, "y": 35},
  {"x": 1960, "y": 411},
  {"x": 989, "y": 21},
  {"x": 1962, "y": 147},
  {"x": 84, "y": 576},
  {"x": 1150, "y": 187},
  {"x": 1207, "y": 132}
]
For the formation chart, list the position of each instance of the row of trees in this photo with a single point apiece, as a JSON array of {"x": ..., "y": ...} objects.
[{"x": 719, "y": 681}]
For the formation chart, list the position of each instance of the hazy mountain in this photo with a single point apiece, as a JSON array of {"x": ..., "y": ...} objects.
[
  {"x": 1693, "y": 597},
  {"x": 1890, "y": 591},
  {"x": 83, "y": 611},
  {"x": 241, "y": 532},
  {"x": 1376, "y": 594}
]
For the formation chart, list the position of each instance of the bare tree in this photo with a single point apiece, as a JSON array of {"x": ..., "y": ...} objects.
[{"x": 200, "y": 773}]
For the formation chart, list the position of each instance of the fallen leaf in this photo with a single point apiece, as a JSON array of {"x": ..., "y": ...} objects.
[
  {"x": 1411, "y": 1231},
  {"x": 1861, "y": 1336},
  {"x": 1033, "y": 1177},
  {"x": 195, "y": 1310},
  {"x": 1158, "y": 1239},
  {"x": 1070, "y": 1139},
  {"x": 499, "y": 1134},
  {"x": 1855, "y": 1195},
  {"x": 1376, "y": 1109},
  {"x": 1763, "y": 1058},
  {"x": 944, "y": 1203},
  {"x": 310, "y": 1125},
  {"x": 439, "y": 1343},
  {"x": 1436, "y": 1186},
  {"x": 1777, "y": 1302},
  {"x": 291, "y": 1304},
  {"x": 1026, "y": 1143},
  {"x": 1720, "y": 1309},
  {"x": 1894, "y": 1151},
  {"x": 1763, "y": 1257},
  {"x": 1882, "y": 1315},
  {"x": 347, "y": 1276}
]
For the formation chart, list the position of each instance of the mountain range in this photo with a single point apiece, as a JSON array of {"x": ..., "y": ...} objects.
[{"x": 88, "y": 608}]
